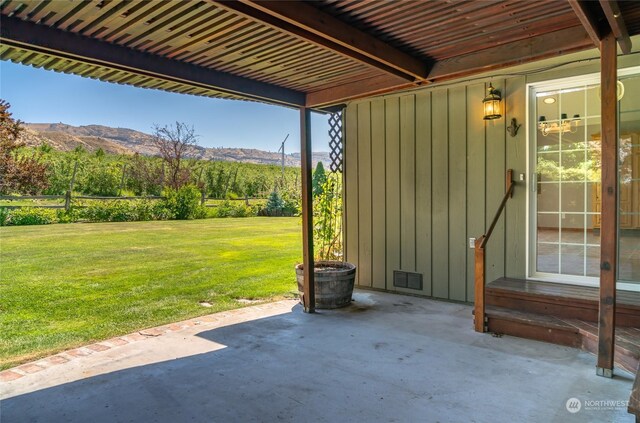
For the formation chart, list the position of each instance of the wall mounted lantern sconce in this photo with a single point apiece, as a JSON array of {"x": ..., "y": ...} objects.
[
  {"x": 559, "y": 127},
  {"x": 491, "y": 104},
  {"x": 513, "y": 128}
]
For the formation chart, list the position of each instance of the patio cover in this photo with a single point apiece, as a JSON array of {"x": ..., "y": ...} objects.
[{"x": 299, "y": 54}]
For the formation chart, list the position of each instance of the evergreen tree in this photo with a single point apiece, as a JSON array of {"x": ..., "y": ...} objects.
[
  {"x": 319, "y": 179},
  {"x": 275, "y": 204}
]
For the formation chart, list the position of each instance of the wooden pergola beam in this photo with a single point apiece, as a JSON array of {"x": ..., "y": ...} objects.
[
  {"x": 588, "y": 19},
  {"x": 44, "y": 39},
  {"x": 548, "y": 45},
  {"x": 351, "y": 90},
  {"x": 609, "y": 221},
  {"x": 616, "y": 22},
  {"x": 313, "y": 25}
]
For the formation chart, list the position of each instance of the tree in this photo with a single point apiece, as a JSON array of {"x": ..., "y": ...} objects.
[
  {"x": 144, "y": 175},
  {"x": 174, "y": 144},
  {"x": 21, "y": 174},
  {"x": 319, "y": 179},
  {"x": 274, "y": 204}
]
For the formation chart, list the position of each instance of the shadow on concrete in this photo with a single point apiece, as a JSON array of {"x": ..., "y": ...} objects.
[{"x": 385, "y": 358}]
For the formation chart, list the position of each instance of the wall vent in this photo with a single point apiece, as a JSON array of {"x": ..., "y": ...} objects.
[{"x": 407, "y": 280}]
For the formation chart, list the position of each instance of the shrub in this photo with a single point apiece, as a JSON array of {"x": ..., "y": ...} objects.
[
  {"x": 71, "y": 216},
  {"x": 121, "y": 211},
  {"x": 32, "y": 216},
  {"x": 292, "y": 206},
  {"x": 4, "y": 216},
  {"x": 227, "y": 209},
  {"x": 184, "y": 203}
]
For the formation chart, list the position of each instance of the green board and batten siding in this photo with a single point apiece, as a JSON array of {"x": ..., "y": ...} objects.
[{"x": 423, "y": 174}]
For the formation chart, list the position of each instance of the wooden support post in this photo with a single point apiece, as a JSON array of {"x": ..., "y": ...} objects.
[
  {"x": 309, "y": 297},
  {"x": 609, "y": 227},
  {"x": 479, "y": 313}
]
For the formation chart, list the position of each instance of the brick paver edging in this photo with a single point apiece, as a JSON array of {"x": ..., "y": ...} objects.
[{"x": 211, "y": 320}]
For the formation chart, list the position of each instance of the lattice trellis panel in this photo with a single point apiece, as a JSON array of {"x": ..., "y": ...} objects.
[{"x": 335, "y": 141}]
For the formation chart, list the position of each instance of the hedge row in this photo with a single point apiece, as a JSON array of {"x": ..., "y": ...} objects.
[{"x": 182, "y": 204}]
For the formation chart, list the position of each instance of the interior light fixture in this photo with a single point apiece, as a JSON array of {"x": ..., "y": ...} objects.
[
  {"x": 559, "y": 127},
  {"x": 549, "y": 100}
]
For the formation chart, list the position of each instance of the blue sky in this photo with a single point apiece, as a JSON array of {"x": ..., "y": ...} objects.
[{"x": 38, "y": 96}]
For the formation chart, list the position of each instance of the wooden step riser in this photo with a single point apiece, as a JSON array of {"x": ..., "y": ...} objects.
[
  {"x": 539, "y": 333},
  {"x": 622, "y": 358},
  {"x": 567, "y": 337},
  {"x": 626, "y": 317}
]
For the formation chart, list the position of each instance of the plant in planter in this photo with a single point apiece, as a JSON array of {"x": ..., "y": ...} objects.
[{"x": 333, "y": 277}]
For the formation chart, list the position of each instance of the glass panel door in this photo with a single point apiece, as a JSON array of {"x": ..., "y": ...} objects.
[
  {"x": 567, "y": 166},
  {"x": 629, "y": 182}
]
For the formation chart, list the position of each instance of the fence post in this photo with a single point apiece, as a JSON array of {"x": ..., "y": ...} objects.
[
  {"x": 67, "y": 197},
  {"x": 67, "y": 200},
  {"x": 124, "y": 169},
  {"x": 203, "y": 197},
  {"x": 246, "y": 199}
]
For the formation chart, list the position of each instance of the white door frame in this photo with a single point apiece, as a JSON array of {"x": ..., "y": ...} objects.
[{"x": 531, "y": 130}]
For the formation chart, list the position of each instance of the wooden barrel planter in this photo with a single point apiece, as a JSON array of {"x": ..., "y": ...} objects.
[{"x": 334, "y": 283}]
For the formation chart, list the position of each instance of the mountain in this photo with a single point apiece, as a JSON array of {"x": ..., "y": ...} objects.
[{"x": 65, "y": 137}]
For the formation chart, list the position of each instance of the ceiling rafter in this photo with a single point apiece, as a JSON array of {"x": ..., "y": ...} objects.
[
  {"x": 322, "y": 29},
  {"x": 616, "y": 22},
  {"x": 43, "y": 39},
  {"x": 588, "y": 17}
]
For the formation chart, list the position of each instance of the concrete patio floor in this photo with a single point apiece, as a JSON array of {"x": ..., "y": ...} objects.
[{"x": 386, "y": 358}]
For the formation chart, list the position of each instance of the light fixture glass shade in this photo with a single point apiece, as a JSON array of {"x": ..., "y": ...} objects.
[
  {"x": 563, "y": 126},
  {"x": 491, "y": 104}
]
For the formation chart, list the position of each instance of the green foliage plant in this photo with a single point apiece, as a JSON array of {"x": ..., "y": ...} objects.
[
  {"x": 229, "y": 209},
  {"x": 4, "y": 216},
  {"x": 327, "y": 219},
  {"x": 184, "y": 203},
  {"x": 31, "y": 216}
]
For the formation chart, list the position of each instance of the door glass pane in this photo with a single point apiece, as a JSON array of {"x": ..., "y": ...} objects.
[
  {"x": 573, "y": 259},
  {"x": 568, "y": 169},
  {"x": 629, "y": 182},
  {"x": 572, "y": 227},
  {"x": 548, "y": 258},
  {"x": 593, "y": 261}
]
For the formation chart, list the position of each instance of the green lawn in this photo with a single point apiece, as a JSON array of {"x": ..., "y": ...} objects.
[{"x": 63, "y": 286}]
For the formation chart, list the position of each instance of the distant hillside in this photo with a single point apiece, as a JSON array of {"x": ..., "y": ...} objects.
[{"x": 65, "y": 137}]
